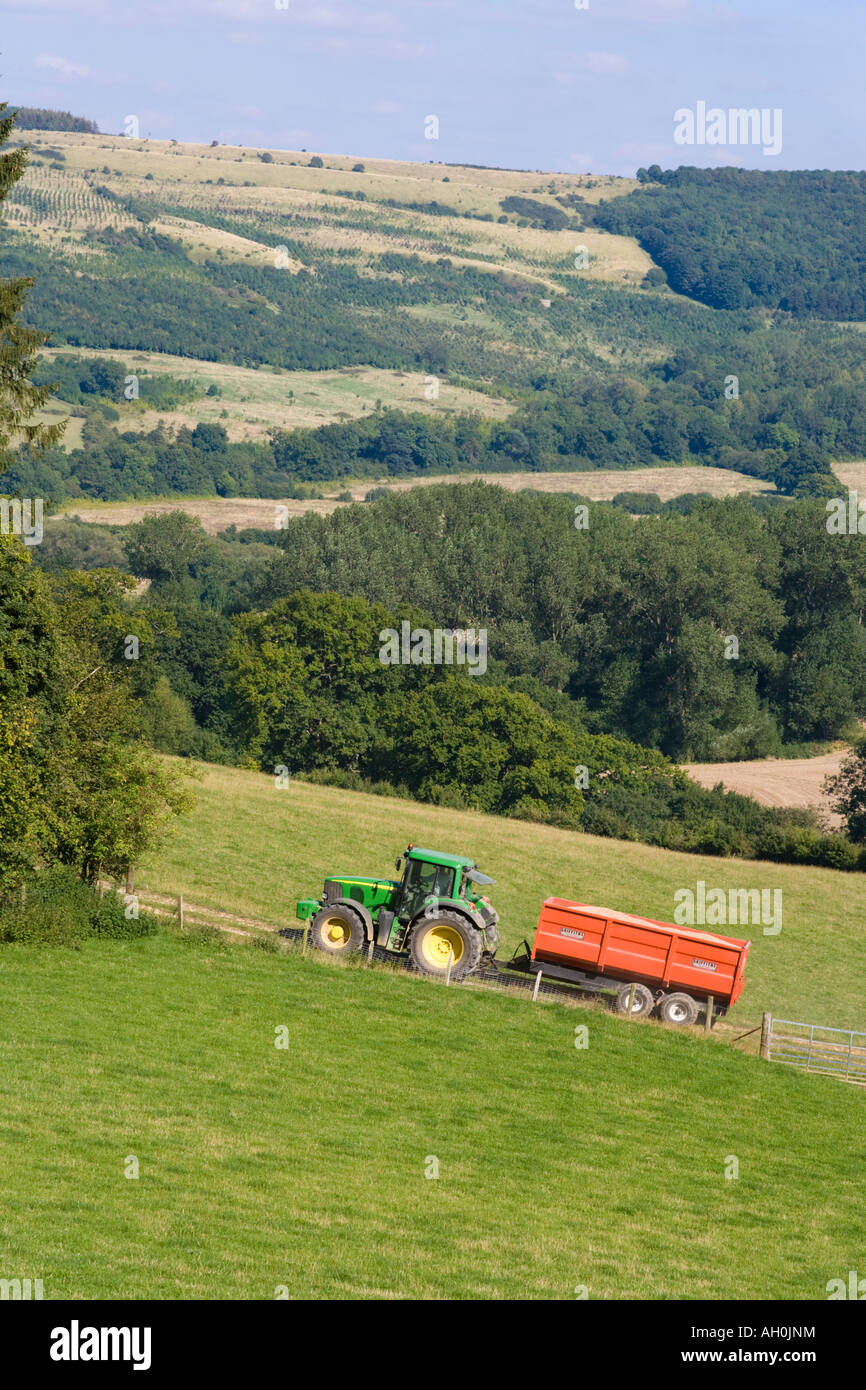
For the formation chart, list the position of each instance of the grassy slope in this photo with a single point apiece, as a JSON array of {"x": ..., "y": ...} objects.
[
  {"x": 305, "y": 1167},
  {"x": 252, "y": 402},
  {"x": 254, "y": 849}
]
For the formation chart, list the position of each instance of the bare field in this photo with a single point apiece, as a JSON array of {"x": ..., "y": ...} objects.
[
  {"x": 216, "y": 513},
  {"x": 852, "y": 475},
  {"x": 797, "y": 782}
]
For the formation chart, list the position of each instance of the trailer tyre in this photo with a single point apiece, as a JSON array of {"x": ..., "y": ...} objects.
[
  {"x": 338, "y": 931},
  {"x": 679, "y": 1009},
  {"x": 434, "y": 938},
  {"x": 643, "y": 1002}
]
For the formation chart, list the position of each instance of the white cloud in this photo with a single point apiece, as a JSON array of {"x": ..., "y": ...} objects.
[{"x": 61, "y": 65}]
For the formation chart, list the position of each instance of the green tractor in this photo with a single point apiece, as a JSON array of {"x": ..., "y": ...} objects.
[{"x": 433, "y": 911}]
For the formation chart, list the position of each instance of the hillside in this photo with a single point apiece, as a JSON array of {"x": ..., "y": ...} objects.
[
  {"x": 254, "y": 850},
  {"x": 304, "y": 1169},
  {"x": 308, "y": 300}
]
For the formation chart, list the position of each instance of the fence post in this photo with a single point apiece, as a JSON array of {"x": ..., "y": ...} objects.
[
  {"x": 130, "y": 878},
  {"x": 766, "y": 1032},
  {"x": 536, "y": 986},
  {"x": 24, "y": 895},
  {"x": 708, "y": 1020},
  {"x": 631, "y": 998},
  {"x": 306, "y": 936},
  {"x": 180, "y": 911},
  {"x": 448, "y": 971},
  {"x": 370, "y": 950}
]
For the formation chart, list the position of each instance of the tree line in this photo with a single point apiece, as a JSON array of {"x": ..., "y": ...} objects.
[{"x": 733, "y": 238}]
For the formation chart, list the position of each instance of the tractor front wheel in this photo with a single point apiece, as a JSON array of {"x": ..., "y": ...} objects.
[
  {"x": 337, "y": 930},
  {"x": 445, "y": 936}
]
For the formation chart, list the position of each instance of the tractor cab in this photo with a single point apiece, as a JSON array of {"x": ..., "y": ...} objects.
[{"x": 427, "y": 875}]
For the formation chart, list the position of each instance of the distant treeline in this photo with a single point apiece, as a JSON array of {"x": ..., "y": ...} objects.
[
  {"x": 732, "y": 238},
  {"x": 42, "y": 118},
  {"x": 85, "y": 380}
]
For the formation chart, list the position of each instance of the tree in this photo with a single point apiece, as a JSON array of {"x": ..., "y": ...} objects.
[
  {"x": 161, "y": 548},
  {"x": 848, "y": 792},
  {"x": 77, "y": 786},
  {"x": 19, "y": 398}
]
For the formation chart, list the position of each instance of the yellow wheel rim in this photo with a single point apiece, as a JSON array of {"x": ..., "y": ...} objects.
[
  {"x": 438, "y": 943},
  {"x": 336, "y": 933}
]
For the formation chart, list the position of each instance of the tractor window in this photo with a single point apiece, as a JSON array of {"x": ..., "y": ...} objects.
[{"x": 422, "y": 879}]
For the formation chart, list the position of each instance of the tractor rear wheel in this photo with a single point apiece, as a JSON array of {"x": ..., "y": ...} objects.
[
  {"x": 642, "y": 1004},
  {"x": 337, "y": 930},
  {"x": 446, "y": 934},
  {"x": 680, "y": 1009}
]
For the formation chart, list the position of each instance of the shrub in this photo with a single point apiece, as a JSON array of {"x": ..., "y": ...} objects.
[{"x": 61, "y": 910}]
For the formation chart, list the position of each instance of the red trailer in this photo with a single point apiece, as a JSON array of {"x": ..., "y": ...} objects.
[{"x": 650, "y": 965}]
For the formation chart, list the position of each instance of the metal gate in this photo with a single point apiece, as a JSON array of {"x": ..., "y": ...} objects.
[{"x": 834, "y": 1051}]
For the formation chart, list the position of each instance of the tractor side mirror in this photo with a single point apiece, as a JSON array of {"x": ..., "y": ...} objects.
[{"x": 397, "y": 864}]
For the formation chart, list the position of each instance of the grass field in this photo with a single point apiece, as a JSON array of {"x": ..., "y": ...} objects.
[
  {"x": 309, "y": 1167},
  {"x": 304, "y": 1167},
  {"x": 254, "y": 401}
]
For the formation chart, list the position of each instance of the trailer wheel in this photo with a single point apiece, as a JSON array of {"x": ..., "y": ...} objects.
[
  {"x": 680, "y": 1009},
  {"x": 433, "y": 938},
  {"x": 642, "y": 1003},
  {"x": 338, "y": 931}
]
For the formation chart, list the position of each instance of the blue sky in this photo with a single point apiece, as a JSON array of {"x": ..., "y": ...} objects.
[{"x": 537, "y": 84}]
